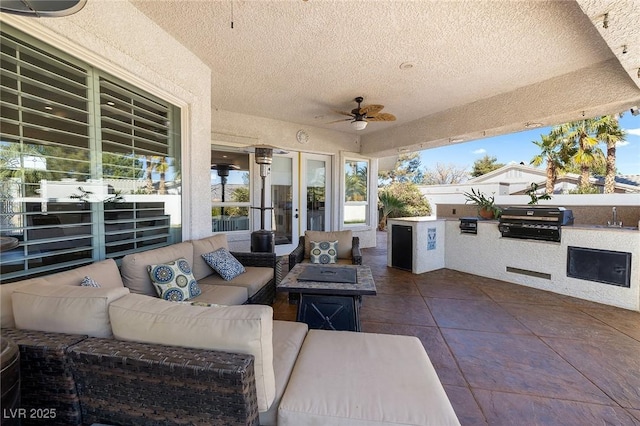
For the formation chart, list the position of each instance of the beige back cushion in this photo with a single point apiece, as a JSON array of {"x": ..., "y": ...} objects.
[
  {"x": 203, "y": 246},
  {"x": 65, "y": 308},
  {"x": 105, "y": 272},
  {"x": 244, "y": 329},
  {"x": 344, "y": 238},
  {"x": 134, "y": 266}
]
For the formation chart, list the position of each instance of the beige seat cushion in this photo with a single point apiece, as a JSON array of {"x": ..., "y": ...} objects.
[
  {"x": 344, "y": 238},
  {"x": 246, "y": 329},
  {"x": 202, "y": 246},
  {"x": 364, "y": 379},
  {"x": 287, "y": 341},
  {"x": 105, "y": 272},
  {"x": 253, "y": 279},
  {"x": 134, "y": 266},
  {"x": 222, "y": 294},
  {"x": 65, "y": 308}
]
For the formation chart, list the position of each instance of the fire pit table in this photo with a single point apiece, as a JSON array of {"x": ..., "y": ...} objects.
[{"x": 330, "y": 295}]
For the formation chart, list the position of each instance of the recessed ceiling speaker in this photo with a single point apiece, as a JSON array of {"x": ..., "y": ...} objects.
[{"x": 42, "y": 8}]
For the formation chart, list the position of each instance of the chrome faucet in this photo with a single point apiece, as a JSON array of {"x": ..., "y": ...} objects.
[{"x": 614, "y": 222}]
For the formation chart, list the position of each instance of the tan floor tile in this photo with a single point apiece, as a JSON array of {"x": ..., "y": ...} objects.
[{"x": 511, "y": 409}]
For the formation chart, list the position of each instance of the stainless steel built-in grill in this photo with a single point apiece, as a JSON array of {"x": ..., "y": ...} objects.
[{"x": 535, "y": 223}]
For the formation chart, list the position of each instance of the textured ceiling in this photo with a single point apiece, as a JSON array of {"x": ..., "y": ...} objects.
[{"x": 297, "y": 60}]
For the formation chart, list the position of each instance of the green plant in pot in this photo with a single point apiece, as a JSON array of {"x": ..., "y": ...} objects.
[{"x": 487, "y": 208}]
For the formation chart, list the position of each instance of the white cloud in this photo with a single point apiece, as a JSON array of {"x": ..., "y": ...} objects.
[
  {"x": 635, "y": 132},
  {"x": 482, "y": 150},
  {"x": 622, "y": 143}
]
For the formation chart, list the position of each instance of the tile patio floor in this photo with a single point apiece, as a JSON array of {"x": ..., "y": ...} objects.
[{"x": 508, "y": 354}]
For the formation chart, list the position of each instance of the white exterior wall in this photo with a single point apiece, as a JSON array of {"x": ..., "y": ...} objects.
[{"x": 488, "y": 254}]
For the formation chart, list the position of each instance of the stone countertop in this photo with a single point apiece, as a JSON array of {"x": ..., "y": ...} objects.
[
  {"x": 601, "y": 227},
  {"x": 415, "y": 219},
  {"x": 365, "y": 284}
]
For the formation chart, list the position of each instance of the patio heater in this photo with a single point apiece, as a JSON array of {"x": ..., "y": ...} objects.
[
  {"x": 223, "y": 173},
  {"x": 263, "y": 240}
]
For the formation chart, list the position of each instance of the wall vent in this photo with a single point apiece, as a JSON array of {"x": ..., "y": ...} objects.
[{"x": 529, "y": 273}]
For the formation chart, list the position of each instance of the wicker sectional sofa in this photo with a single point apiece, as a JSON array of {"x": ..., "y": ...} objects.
[
  {"x": 256, "y": 285},
  {"x": 108, "y": 355}
]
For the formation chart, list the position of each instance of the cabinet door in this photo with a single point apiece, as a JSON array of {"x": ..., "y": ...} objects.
[{"x": 402, "y": 247}]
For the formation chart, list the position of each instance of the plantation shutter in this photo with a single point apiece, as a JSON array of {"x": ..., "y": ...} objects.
[
  {"x": 135, "y": 136},
  {"x": 45, "y": 137}
]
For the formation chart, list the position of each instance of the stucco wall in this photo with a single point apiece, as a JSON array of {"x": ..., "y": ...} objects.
[{"x": 488, "y": 254}]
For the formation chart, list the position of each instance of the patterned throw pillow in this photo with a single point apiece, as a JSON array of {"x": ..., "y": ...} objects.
[
  {"x": 323, "y": 252},
  {"x": 224, "y": 263},
  {"x": 174, "y": 280},
  {"x": 89, "y": 282}
]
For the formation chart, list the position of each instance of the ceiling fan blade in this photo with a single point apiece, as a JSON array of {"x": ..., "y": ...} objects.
[
  {"x": 371, "y": 110},
  {"x": 382, "y": 117},
  {"x": 343, "y": 113},
  {"x": 339, "y": 121}
]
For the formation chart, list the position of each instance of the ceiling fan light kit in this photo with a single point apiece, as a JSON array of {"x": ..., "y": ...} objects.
[
  {"x": 361, "y": 116},
  {"x": 359, "y": 124}
]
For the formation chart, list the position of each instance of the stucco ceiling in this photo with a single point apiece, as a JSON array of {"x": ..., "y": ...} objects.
[{"x": 475, "y": 68}]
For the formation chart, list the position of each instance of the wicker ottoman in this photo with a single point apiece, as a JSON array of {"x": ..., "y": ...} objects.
[
  {"x": 9, "y": 381},
  {"x": 346, "y": 378}
]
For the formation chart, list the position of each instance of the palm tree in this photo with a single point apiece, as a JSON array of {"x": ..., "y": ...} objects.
[
  {"x": 148, "y": 174},
  {"x": 389, "y": 204},
  {"x": 556, "y": 151},
  {"x": 162, "y": 167},
  {"x": 581, "y": 134},
  {"x": 356, "y": 182},
  {"x": 609, "y": 132}
]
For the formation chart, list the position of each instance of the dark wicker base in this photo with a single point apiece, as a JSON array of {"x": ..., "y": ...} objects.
[
  {"x": 47, "y": 384},
  {"x": 78, "y": 380},
  {"x": 130, "y": 383},
  {"x": 267, "y": 294}
]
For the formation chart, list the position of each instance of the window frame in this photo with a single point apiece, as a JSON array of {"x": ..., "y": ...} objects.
[{"x": 368, "y": 193}]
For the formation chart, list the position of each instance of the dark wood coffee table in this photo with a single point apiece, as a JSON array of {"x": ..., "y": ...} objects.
[{"x": 329, "y": 305}]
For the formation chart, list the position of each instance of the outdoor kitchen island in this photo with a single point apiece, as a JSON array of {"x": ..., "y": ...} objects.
[{"x": 590, "y": 250}]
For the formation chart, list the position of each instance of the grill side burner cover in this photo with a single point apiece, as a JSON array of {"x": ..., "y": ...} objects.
[{"x": 469, "y": 225}]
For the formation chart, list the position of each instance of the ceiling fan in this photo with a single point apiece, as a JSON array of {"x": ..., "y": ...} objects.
[{"x": 360, "y": 116}]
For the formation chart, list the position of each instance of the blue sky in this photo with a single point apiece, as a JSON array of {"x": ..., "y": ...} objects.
[{"x": 518, "y": 147}]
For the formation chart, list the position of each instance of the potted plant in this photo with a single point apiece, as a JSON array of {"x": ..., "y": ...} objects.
[
  {"x": 532, "y": 192},
  {"x": 487, "y": 208}
]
